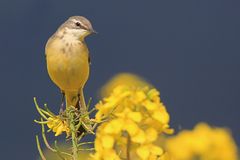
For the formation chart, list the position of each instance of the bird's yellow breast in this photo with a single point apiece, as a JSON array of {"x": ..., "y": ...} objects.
[{"x": 67, "y": 64}]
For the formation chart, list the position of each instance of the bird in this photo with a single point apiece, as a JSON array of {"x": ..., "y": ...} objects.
[{"x": 68, "y": 60}]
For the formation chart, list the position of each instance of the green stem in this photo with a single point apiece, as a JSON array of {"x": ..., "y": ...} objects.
[
  {"x": 48, "y": 145},
  {"x": 128, "y": 146},
  {"x": 39, "y": 149},
  {"x": 85, "y": 143},
  {"x": 38, "y": 109},
  {"x": 73, "y": 134}
]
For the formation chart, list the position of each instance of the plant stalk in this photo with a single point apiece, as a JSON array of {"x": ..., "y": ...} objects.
[
  {"x": 128, "y": 147},
  {"x": 71, "y": 113}
]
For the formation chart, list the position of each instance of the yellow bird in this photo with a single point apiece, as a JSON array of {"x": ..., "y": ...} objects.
[{"x": 68, "y": 59}]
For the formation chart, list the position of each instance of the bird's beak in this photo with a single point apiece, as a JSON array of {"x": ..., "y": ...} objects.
[{"x": 92, "y": 31}]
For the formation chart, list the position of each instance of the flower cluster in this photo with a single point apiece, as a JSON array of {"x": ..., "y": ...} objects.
[
  {"x": 127, "y": 79},
  {"x": 203, "y": 143},
  {"x": 132, "y": 120},
  {"x": 57, "y": 125},
  {"x": 71, "y": 121}
]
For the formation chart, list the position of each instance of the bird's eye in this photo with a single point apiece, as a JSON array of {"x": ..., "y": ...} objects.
[{"x": 78, "y": 24}]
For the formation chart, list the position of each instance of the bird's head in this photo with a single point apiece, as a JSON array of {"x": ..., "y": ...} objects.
[{"x": 77, "y": 26}]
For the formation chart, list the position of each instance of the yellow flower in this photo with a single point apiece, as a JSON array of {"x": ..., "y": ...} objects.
[
  {"x": 107, "y": 141},
  {"x": 161, "y": 115},
  {"x": 204, "y": 142},
  {"x": 149, "y": 151},
  {"x": 152, "y": 134},
  {"x": 140, "y": 137},
  {"x": 57, "y": 125},
  {"x": 135, "y": 118},
  {"x": 165, "y": 156},
  {"x": 114, "y": 126},
  {"x": 127, "y": 79},
  {"x": 143, "y": 152},
  {"x": 131, "y": 127}
]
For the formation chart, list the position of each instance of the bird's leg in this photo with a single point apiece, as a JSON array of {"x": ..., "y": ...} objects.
[
  {"x": 78, "y": 105},
  {"x": 62, "y": 103},
  {"x": 82, "y": 104},
  {"x": 86, "y": 123}
]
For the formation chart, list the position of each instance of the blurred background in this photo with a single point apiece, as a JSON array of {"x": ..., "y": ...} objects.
[{"x": 189, "y": 50}]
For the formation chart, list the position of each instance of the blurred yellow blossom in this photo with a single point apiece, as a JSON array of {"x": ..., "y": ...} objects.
[
  {"x": 203, "y": 143},
  {"x": 83, "y": 154},
  {"x": 128, "y": 79},
  {"x": 134, "y": 118},
  {"x": 57, "y": 125}
]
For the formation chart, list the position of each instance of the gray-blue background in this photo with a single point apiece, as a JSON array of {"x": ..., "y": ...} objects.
[{"x": 187, "y": 49}]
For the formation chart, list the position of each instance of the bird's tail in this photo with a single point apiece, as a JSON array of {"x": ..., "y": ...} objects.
[
  {"x": 71, "y": 98},
  {"x": 76, "y": 99}
]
